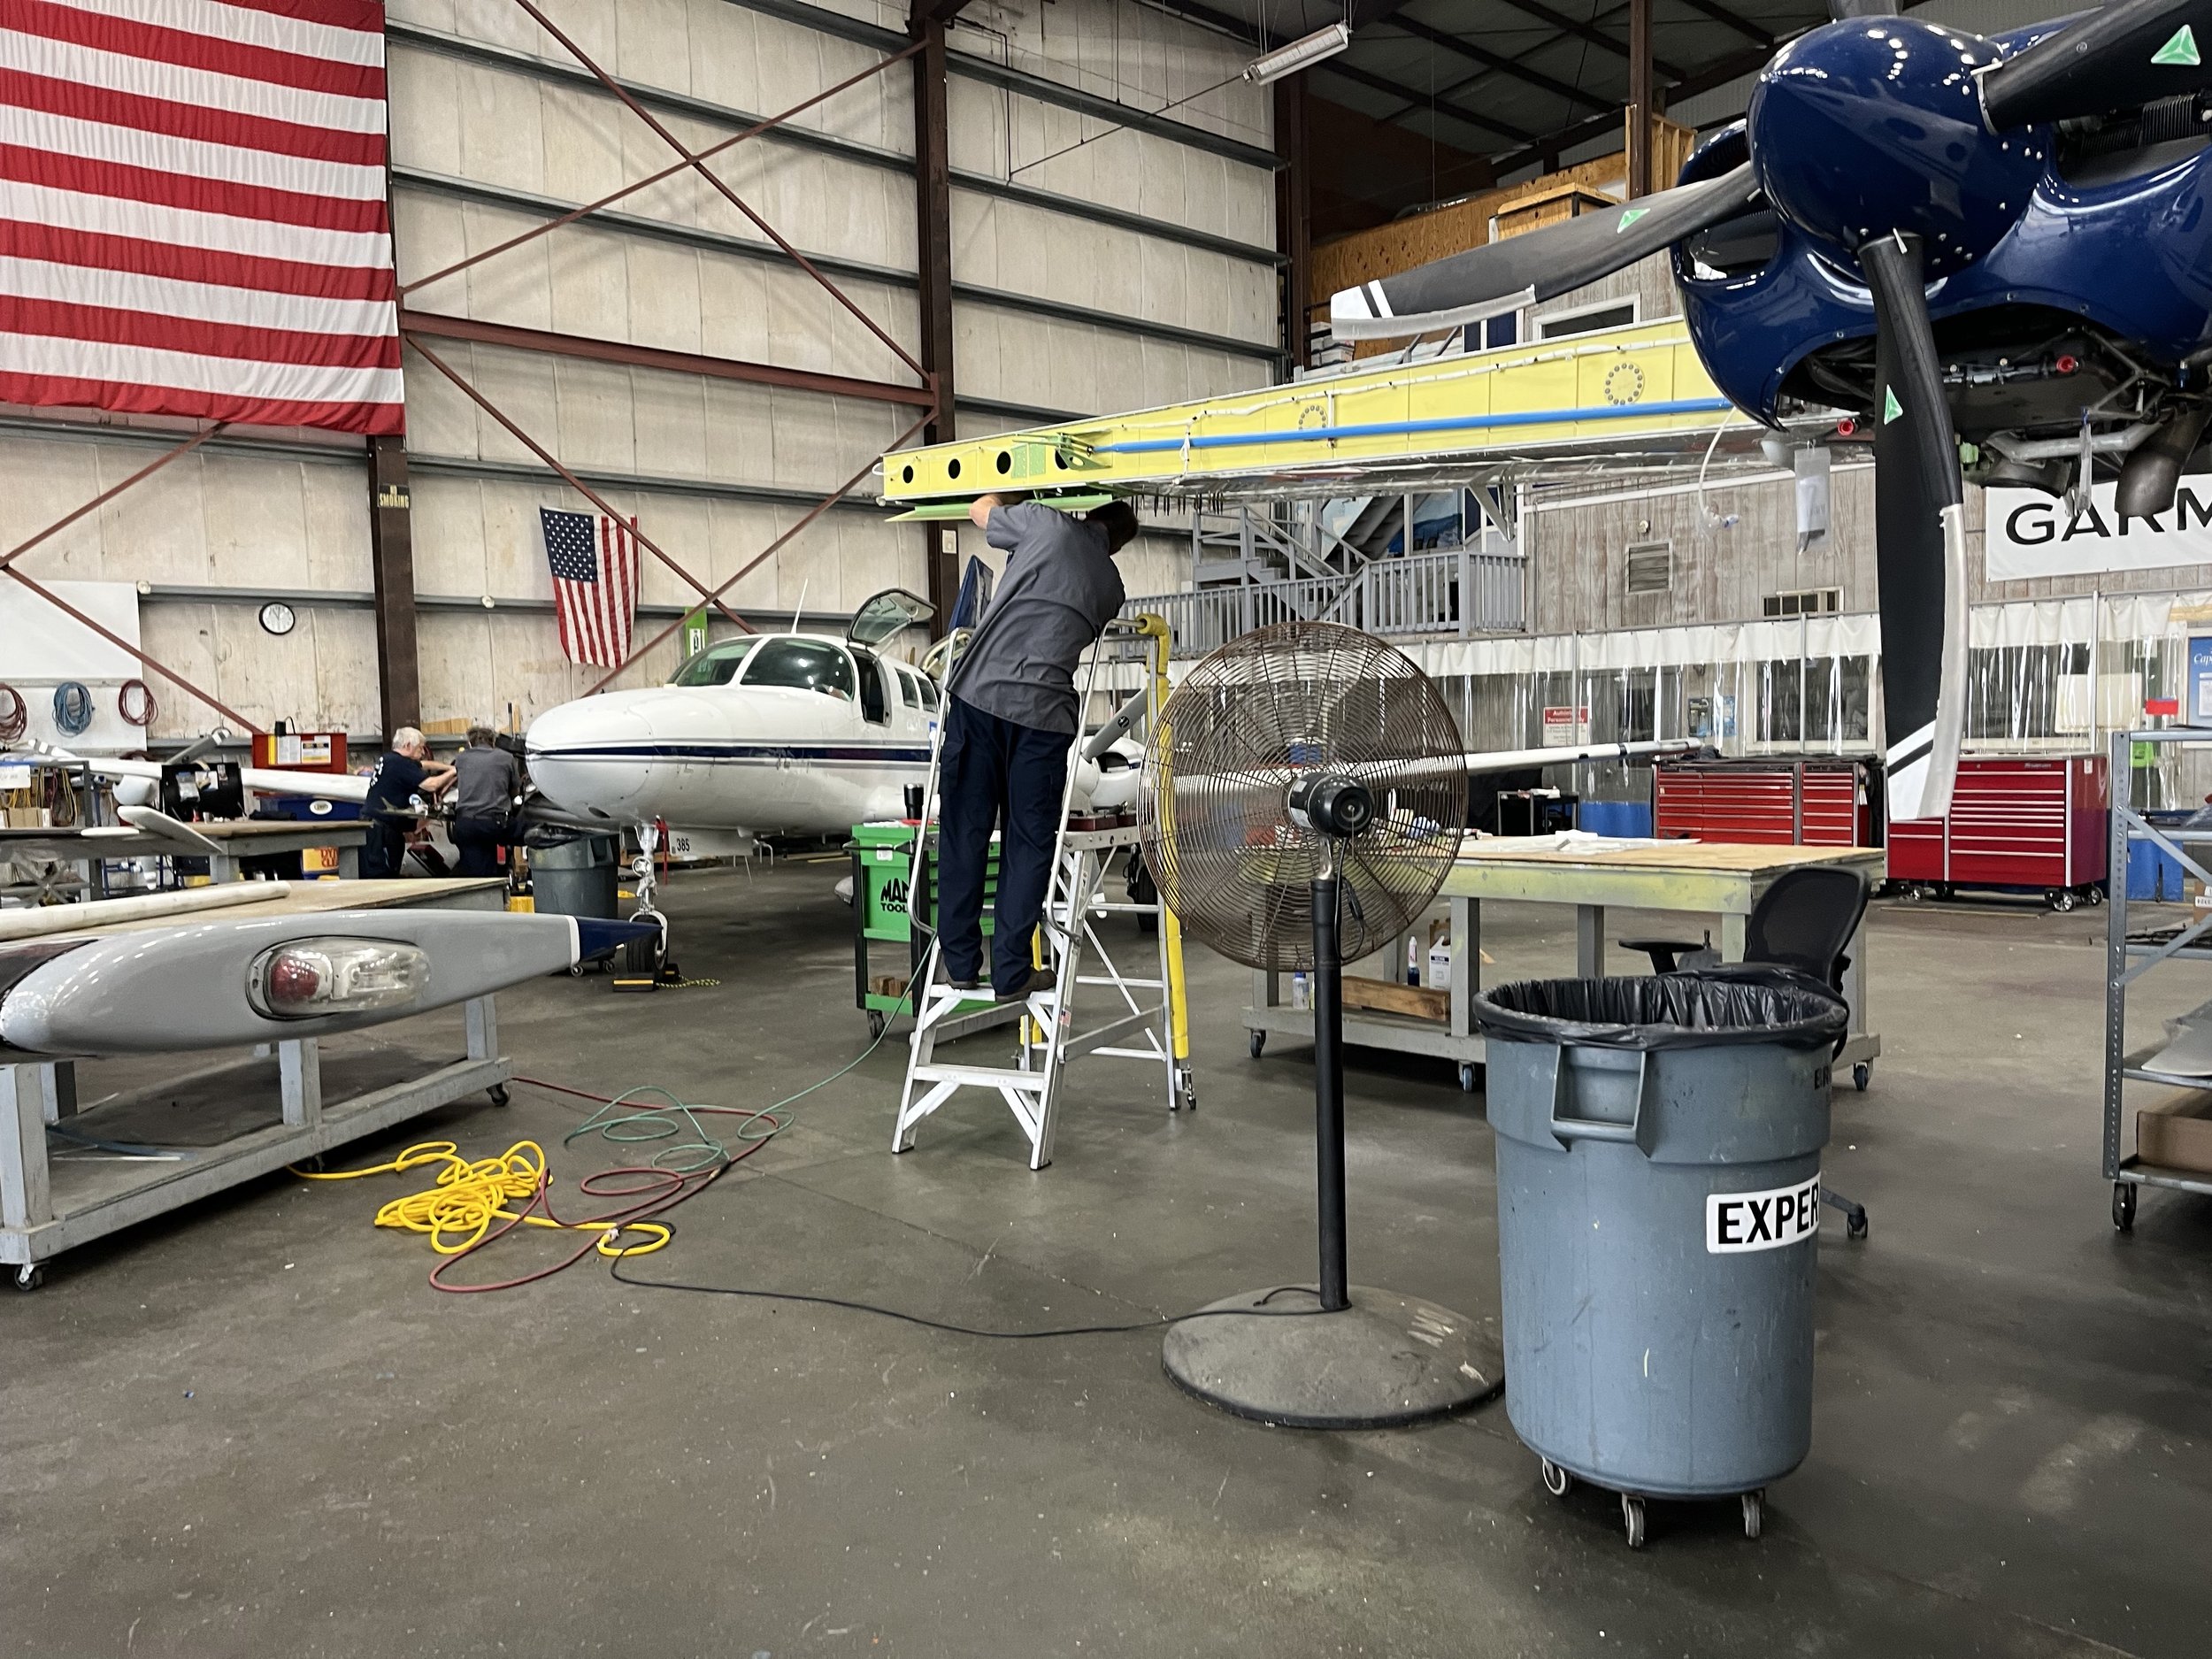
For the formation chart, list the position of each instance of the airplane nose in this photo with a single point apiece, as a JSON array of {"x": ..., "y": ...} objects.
[{"x": 590, "y": 756}]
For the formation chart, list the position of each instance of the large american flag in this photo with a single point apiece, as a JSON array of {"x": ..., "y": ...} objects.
[
  {"x": 192, "y": 210},
  {"x": 594, "y": 587}
]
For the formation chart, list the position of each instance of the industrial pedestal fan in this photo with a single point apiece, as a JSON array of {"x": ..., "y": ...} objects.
[{"x": 1304, "y": 790}]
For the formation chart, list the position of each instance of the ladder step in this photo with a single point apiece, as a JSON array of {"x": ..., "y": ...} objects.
[{"x": 979, "y": 1076}]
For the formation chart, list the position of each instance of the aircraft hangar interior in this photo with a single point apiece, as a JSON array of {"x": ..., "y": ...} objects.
[{"x": 1013, "y": 827}]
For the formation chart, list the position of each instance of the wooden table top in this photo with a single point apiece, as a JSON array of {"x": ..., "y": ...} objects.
[{"x": 1703, "y": 857}]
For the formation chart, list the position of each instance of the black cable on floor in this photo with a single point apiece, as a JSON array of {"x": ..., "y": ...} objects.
[{"x": 1255, "y": 1312}]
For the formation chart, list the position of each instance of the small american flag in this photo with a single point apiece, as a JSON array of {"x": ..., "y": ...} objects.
[{"x": 595, "y": 583}]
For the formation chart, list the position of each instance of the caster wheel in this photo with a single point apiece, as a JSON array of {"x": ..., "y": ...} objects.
[
  {"x": 1861, "y": 1074},
  {"x": 497, "y": 1095},
  {"x": 2124, "y": 1205},
  {"x": 315, "y": 1165},
  {"x": 1186, "y": 1090},
  {"x": 577, "y": 970},
  {"x": 1912, "y": 895},
  {"x": 1468, "y": 1078},
  {"x": 1557, "y": 1481},
  {"x": 30, "y": 1277},
  {"x": 2096, "y": 897},
  {"x": 1754, "y": 1512},
  {"x": 1632, "y": 1520},
  {"x": 2060, "y": 900},
  {"x": 1259, "y": 1042},
  {"x": 875, "y": 1022},
  {"x": 1854, "y": 1227}
]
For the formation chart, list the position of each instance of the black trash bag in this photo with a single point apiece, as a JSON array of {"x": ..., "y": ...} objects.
[{"x": 1744, "y": 1003}]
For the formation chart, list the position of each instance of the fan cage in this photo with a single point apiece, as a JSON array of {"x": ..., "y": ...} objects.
[{"x": 1244, "y": 724}]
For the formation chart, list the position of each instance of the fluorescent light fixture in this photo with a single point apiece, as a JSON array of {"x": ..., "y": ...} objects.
[{"x": 1299, "y": 54}]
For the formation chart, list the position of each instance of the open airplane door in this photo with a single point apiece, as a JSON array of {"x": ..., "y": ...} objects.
[{"x": 883, "y": 615}]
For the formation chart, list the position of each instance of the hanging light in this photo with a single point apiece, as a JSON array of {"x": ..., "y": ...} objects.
[{"x": 1299, "y": 54}]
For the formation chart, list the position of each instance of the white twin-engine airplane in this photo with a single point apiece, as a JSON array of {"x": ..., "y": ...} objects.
[
  {"x": 808, "y": 734},
  {"x": 769, "y": 733}
]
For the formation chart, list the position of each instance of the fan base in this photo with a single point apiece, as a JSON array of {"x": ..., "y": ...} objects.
[{"x": 1387, "y": 1360}]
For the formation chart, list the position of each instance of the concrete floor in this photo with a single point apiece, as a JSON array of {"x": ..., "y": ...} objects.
[{"x": 253, "y": 1429}]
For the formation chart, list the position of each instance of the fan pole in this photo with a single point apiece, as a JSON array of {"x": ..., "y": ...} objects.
[{"x": 1328, "y": 1092}]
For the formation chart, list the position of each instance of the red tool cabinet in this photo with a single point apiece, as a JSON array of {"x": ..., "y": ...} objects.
[
  {"x": 1809, "y": 802},
  {"x": 2014, "y": 822}
]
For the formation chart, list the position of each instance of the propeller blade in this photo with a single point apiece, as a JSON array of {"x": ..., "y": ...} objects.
[
  {"x": 1920, "y": 539},
  {"x": 158, "y": 823},
  {"x": 2113, "y": 58},
  {"x": 1539, "y": 264}
]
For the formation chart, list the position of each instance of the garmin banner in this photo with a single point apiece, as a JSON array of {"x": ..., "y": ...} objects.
[{"x": 2030, "y": 535}]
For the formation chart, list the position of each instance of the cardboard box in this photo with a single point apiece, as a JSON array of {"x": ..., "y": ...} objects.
[{"x": 2176, "y": 1134}]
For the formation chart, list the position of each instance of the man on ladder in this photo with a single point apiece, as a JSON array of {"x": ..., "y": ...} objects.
[{"x": 1011, "y": 716}]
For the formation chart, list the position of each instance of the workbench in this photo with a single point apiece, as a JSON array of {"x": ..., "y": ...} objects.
[
  {"x": 1696, "y": 878},
  {"x": 238, "y": 839},
  {"x": 48, "y": 1206}
]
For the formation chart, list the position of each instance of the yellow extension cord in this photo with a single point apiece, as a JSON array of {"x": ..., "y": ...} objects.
[{"x": 458, "y": 1209}]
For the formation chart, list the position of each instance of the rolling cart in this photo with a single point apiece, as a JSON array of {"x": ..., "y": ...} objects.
[{"x": 2131, "y": 952}]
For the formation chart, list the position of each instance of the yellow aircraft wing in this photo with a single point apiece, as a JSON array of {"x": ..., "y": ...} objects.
[{"x": 1635, "y": 396}]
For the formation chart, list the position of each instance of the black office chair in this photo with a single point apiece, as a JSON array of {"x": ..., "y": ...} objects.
[{"x": 1805, "y": 921}]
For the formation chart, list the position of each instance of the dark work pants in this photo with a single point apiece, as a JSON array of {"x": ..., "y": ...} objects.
[
  {"x": 477, "y": 841},
  {"x": 385, "y": 852},
  {"x": 992, "y": 773}
]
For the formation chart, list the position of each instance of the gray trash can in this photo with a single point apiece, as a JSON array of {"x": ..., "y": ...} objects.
[
  {"x": 1658, "y": 1146},
  {"x": 576, "y": 877}
]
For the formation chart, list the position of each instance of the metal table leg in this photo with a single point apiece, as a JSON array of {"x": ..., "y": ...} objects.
[{"x": 1590, "y": 941}]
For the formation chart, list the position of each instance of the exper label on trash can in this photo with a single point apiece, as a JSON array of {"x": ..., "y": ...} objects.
[{"x": 1735, "y": 1222}]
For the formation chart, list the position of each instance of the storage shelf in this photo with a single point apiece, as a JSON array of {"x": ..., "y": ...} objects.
[{"x": 2126, "y": 1171}]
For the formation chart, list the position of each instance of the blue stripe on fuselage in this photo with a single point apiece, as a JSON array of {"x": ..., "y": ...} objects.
[{"x": 849, "y": 754}]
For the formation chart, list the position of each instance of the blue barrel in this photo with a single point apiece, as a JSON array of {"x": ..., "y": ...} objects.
[{"x": 1658, "y": 1146}]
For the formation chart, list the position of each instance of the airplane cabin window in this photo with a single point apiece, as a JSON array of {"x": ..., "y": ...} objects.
[
  {"x": 875, "y": 703},
  {"x": 803, "y": 664},
  {"x": 929, "y": 692},
  {"x": 909, "y": 698},
  {"x": 717, "y": 665}
]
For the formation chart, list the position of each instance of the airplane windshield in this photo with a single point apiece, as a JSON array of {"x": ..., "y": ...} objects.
[
  {"x": 805, "y": 665},
  {"x": 717, "y": 665}
]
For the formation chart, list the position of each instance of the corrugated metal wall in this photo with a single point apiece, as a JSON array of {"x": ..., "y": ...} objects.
[{"x": 1135, "y": 269}]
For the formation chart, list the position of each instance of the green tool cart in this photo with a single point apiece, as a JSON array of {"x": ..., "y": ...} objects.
[{"x": 883, "y": 865}]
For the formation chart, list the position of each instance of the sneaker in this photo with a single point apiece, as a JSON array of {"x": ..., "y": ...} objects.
[{"x": 1038, "y": 980}]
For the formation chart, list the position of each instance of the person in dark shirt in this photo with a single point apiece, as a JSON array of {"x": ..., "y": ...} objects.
[
  {"x": 486, "y": 779},
  {"x": 403, "y": 772},
  {"x": 1011, "y": 714}
]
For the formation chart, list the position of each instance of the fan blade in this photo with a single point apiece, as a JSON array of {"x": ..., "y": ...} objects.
[
  {"x": 2113, "y": 58},
  {"x": 1499, "y": 276},
  {"x": 1920, "y": 539}
]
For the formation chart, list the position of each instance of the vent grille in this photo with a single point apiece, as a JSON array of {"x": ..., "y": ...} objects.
[{"x": 1650, "y": 567}]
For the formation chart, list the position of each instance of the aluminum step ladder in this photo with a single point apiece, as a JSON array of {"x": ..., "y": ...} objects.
[{"x": 1144, "y": 1019}]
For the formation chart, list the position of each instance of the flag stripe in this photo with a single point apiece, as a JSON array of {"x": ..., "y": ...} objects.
[
  {"x": 115, "y": 182},
  {"x": 73, "y": 322},
  {"x": 359, "y": 41},
  {"x": 202, "y": 301},
  {"x": 189, "y": 265},
  {"x": 146, "y": 39},
  {"x": 186, "y": 120},
  {"x": 189, "y": 372},
  {"x": 226, "y": 163},
  {"x": 133, "y": 396},
  {"x": 148, "y": 77},
  {"x": 216, "y": 233}
]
